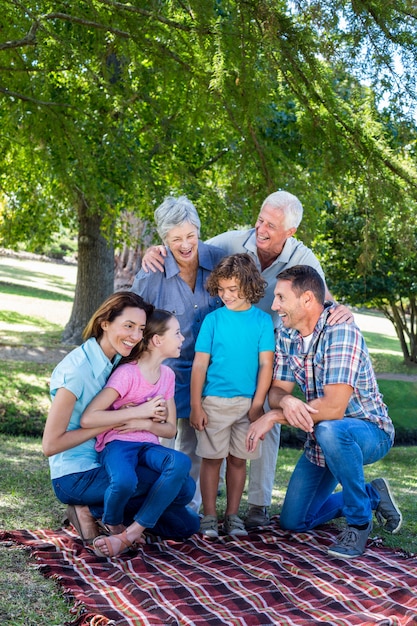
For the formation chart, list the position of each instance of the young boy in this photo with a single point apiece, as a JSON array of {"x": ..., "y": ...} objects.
[{"x": 231, "y": 375}]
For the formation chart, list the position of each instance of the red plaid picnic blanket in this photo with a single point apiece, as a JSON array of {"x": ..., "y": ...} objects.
[{"x": 268, "y": 578}]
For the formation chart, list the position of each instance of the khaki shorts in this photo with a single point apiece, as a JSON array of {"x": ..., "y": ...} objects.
[{"x": 226, "y": 430}]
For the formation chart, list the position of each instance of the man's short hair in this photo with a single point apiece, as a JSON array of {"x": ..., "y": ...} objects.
[{"x": 305, "y": 278}]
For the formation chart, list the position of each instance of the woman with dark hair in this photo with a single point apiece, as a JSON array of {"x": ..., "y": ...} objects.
[
  {"x": 139, "y": 382},
  {"x": 78, "y": 478}
]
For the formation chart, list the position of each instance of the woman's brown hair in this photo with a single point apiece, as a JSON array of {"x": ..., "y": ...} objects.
[{"x": 111, "y": 308}]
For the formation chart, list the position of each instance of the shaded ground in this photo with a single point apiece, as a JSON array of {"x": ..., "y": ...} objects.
[{"x": 37, "y": 355}]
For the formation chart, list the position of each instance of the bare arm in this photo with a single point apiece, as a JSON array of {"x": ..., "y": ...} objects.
[
  {"x": 294, "y": 412},
  {"x": 266, "y": 360},
  {"x": 161, "y": 426},
  {"x": 198, "y": 417},
  {"x": 135, "y": 417},
  {"x": 56, "y": 438}
]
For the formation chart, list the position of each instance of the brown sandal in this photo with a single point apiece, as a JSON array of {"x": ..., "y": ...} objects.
[
  {"x": 122, "y": 537},
  {"x": 84, "y": 523}
]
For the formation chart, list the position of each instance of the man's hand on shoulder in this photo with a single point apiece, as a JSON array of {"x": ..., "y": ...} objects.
[
  {"x": 339, "y": 314},
  {"x": 154, "y": 259}
]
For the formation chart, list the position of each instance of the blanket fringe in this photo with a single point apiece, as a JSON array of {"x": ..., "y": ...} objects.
[{"x": 86, "y": 618}]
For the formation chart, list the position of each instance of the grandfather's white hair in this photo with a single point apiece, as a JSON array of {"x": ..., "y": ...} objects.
[{"x": 288, "y": 204}]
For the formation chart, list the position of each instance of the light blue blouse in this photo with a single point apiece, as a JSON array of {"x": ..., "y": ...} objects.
[{"x": 84, "y": 372}]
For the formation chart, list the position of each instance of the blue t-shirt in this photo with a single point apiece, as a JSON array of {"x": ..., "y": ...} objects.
[
  {"x": 84, "y": 372},
  {"x": 234, "y": 340}
]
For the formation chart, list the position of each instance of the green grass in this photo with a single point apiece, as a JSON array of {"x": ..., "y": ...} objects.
[
  {"x": 386, "y": 354},
  {"x": 27, "y": 501},
  {"x": 17, "y": 329},
  {"x": 24, "y": 397}
]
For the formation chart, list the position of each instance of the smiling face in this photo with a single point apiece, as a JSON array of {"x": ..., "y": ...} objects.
[
  {"x": 172, "y": 340},
  {"x": 122, "y": 334},
  {"x": 271, "y": 233},
  {"x": 183, "y": 242},
  {"x": 288, "y": 305},
  {"x": 229, "y": 292}
]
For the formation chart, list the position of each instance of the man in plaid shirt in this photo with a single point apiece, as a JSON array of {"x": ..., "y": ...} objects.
[{"x": 344, "y": 416}]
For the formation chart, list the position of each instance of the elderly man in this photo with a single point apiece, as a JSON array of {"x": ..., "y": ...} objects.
[
  {"x": 346, "y": 421},
  {"x": 272, "y": 246}
]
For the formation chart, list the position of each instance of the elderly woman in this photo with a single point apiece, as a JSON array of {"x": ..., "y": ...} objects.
[{"x": 180, "y": 288}]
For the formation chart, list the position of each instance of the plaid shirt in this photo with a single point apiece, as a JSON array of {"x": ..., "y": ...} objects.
[{"x": 336, "y": 355}]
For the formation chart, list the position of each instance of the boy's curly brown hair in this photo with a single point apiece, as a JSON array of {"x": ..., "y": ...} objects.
[{"x": 243, "y": 269}]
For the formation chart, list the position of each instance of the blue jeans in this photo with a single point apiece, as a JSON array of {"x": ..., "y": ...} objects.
[
  {"x": 88, "y": 488},
  {"x": 348, "y": 445},
  {"x": 120, "y": 459}
]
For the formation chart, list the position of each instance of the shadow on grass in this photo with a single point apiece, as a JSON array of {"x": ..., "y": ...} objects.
[{"x": 32, "y": 292}]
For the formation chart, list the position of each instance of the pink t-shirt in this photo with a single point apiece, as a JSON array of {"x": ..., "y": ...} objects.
[{"x": 133, "y": 388}]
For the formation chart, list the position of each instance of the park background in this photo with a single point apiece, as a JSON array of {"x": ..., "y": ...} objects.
[{"x": 106, "y": 107}]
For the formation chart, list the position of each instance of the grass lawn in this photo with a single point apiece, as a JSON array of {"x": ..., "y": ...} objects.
[{"x": 36, "y": 301}]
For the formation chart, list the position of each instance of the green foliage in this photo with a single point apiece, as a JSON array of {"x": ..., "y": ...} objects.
[
  {"x": 369, "y": 253},
  {"x": 108, "y": 107}
]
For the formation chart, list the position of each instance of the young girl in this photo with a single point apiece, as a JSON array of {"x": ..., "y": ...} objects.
[
  {"x": 78, "y": 479},
  {"x": 136, "y": 383},
  {"x": 231, "y": 375}
]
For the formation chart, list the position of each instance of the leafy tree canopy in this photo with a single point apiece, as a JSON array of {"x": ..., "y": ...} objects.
[{"x": 108, "y": 106}]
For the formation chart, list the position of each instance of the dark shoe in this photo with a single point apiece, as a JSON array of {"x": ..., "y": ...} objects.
[
  {"x": 257, "y": 516},
  {"x": 234, "y": 526},
  {"x": 84, "y": 523},
  {"x": 351, "y": 542},
  {"x": 387, "y": 512}
]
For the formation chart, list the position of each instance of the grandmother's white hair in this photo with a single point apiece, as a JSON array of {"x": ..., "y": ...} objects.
[{"x": 175, "y": 212}]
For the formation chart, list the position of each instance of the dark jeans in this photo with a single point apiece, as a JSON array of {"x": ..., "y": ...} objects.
[{"x": 88, "y": 488}]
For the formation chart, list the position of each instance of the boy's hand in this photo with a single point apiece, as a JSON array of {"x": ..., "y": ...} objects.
[{"x": 198, "y": 419}]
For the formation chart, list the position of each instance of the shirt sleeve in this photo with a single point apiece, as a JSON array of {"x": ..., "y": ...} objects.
[
  {"x": 204, "y": 342},
  {"x": 69, "y": 378},
  {"x": 267, "y": 341},
  {"x": 344, "y": 354},
  {"x": 121, "y": 380}
]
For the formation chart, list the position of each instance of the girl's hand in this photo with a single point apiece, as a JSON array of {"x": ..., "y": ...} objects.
[{"x": 155, "y": 408}]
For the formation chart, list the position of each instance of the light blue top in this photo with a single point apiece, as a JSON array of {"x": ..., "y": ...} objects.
[
  {"x": 167, "y": 290},
  {"x": 234, "y": 340},
  {"x": 293, "y": 253},
  {"x": 84, "y": 372}
]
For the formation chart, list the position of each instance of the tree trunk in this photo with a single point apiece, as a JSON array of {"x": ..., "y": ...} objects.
[{"x": 95, "y": 275}]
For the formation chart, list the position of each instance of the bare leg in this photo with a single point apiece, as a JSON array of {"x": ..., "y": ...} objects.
[
  {"x": 235, "y": 483},
  {"x": 209, "y": 481}
]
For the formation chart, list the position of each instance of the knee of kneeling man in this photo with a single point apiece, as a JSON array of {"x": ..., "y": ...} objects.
[{"x": 325, "y": 430}]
